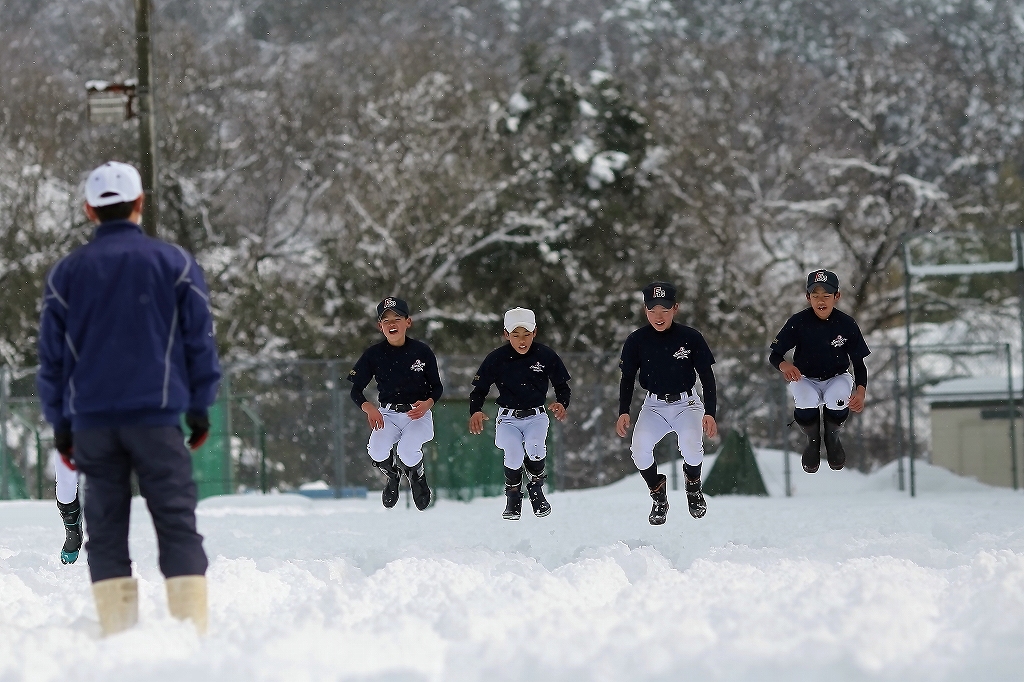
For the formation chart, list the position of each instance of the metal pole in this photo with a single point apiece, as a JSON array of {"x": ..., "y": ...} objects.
[
  {"x": 1020, "y": 310},
  {"x": 39, "y": 466},
  {"x": 907, "y": 314},
  {"x": 263, "y": 460},
  {"x": 899, "y": 416},
  {"x": 3, "y": 433},
  {"x": 147, "y": 126},
  {"x": 1011, "y": 404},
  {"x": 337, "y": 423},
  {"x": 787, "y": 471},
  {"x": 226, "y": 463}
]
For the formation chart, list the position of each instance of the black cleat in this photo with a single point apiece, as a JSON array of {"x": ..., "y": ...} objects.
[
  {"x": 513, "y": 502},
  {"x": 812, "y": 453},
  {"x": 834, "y": 450},
  {"x": 418, "y": 484},
  {"x": 695, "y": 499},
  {"x": 659, "y": 510},
  {"x": 535, "y": 486},
  {"x": 72, "y": 515},
  {"x": 390, "y": 495}
]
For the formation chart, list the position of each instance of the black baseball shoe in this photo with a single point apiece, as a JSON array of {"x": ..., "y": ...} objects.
[
  {"x": 659, "y": 510},
  {"x": 72, "y": 515},
  {"x": 390, "y": 495},
  {"x": 418, "y": 484},
  {"x": 811, "y": 459},
  {"x": 834, "y": 450},
  {"x": 513, "y": 502},
  {"x": 535, "y": 487},
  {"x": 695, "y": 499}
]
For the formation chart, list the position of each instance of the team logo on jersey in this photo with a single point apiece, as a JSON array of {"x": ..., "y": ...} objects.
[
  {"x": 537, "y": 367},
  {"x": 658, "y": 292},
  {"x": 682, "y": 353},
  {"x": 352, "y": 373},
  {"x": 838, "y": 341},
  {"x": 820, "y": 277},
  {"x": 418, "y": 366}
]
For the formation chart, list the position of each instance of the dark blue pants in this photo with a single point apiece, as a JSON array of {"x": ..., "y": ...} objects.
[{"x": 163, "y": 465}]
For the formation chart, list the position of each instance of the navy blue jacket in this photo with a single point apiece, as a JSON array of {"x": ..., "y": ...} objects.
[{"x": 126, "y": 334}]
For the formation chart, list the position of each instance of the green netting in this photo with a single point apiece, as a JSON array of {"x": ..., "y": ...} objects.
[
  {"x": 15, "y": 488},
  {"x": 211, "y": 464},
  {"x": 463, "y": 466},
  {"x": 735, "y": 471}
]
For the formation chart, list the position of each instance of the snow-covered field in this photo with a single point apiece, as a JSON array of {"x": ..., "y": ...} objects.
[{"x": 847, "y": 580}]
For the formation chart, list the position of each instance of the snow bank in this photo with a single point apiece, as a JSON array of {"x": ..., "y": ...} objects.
[{"x": 847, "y": 580}]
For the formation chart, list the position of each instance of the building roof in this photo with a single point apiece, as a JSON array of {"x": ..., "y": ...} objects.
[{"x": 971, "y": 390}]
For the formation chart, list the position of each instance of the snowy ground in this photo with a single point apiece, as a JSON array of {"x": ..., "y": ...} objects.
[{"x": 847, "y": 580}]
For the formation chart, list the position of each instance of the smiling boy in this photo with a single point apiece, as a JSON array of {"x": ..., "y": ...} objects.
[
  {"x": 408, "y": 384},
  {"x": 827, "y": 342},
  {"x": 669, "y": 358},
  {"x": 521, "y": 369}
]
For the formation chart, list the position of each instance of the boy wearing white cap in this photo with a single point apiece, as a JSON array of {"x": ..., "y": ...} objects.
[{"x": 522, "y": 370}]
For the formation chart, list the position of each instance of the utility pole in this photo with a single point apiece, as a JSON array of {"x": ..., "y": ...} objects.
[{"x": 144, "y": 92}]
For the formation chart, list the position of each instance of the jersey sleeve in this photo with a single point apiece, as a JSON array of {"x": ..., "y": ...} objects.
[
  {"x": 704, "y": 357},
  {"x": 559, "y": 377},
  {"x": 784, "y": 342},
  {"x": 50, "y": 379},
  {"x": 360, "y": 377},
  {"x": 629, "y": 365},
  {"x": 481, "y": 385},
  {"x": 433, "y": 376}
]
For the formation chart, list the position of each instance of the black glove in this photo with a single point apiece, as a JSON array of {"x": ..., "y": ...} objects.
[
  {"x": 199, "y": 428},
  {"x": 65, "y": 444}
]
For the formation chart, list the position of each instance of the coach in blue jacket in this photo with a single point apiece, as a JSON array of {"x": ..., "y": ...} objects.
[{"x": 126, "y": 346}]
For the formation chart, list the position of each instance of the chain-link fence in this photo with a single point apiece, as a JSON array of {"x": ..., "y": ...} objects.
[{"x": 284, "y": 424}]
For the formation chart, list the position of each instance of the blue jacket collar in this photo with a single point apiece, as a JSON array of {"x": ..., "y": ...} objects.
[{"x": 115, "y": 227}]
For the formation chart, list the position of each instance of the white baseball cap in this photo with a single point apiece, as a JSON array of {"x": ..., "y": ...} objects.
[
  {"x": 520, "y": 317},
  {"x": 113, "y": 183}
]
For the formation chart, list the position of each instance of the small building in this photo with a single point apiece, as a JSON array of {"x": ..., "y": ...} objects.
[{"x": 970, "y": 425}]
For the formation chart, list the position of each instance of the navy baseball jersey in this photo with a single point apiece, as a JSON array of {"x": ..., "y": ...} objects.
[
  {"x": 522, "y": 378},
  {"x": 405, "y": 374},
  {"x": 668, "y": 362},
  {"x": 824, "y": 348}
]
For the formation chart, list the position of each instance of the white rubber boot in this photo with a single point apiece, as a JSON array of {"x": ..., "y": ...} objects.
[
  {"x": 117, "y": 604},
  {"x": 186, "y": 600}
]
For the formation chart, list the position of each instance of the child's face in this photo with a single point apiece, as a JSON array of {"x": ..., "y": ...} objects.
[
  {"x": 393, "y": 326},
  {"x": 660, "y": 317},
  {"x": 822, "y": 302},
  {"x": 521, "y": 339}
]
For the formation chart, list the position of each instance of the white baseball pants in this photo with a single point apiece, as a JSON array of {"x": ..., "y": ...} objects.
[
  {"x": 521, "y": 438},
  {"x": 67, "y": 479},
  {"x": 409, "y": 433},
  {"x": 657, "y": 418},
  {"x": 834, "y": 393}
]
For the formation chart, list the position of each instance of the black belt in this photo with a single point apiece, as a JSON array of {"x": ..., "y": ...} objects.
[
  {"x": 672, "y": 397},
  {"x": 522, "y": 414},
  {"x": 398, "y": 407}
]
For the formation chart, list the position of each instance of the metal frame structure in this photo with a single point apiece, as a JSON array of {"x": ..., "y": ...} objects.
[{"x": 912, "y": 270}]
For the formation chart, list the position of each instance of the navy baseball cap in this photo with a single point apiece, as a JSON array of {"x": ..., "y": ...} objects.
[
  {"x": 659, "y": 293},
  {"x": 392, "y": 303},
  {"x": 826, "y": 279}
]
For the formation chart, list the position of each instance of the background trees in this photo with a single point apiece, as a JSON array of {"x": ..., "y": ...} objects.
[{"x": 471, "y": 156}]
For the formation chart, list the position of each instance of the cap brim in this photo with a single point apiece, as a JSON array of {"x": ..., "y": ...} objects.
[
  {"x": 664, "y": 302},
  {"x": 829, "y": 289}
]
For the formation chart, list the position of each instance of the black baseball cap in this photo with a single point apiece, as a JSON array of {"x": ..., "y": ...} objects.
[
  {"x": 826, "y": 279},
  {"x": 659, "y": 293},
  {"x": 392, "y": 303}
]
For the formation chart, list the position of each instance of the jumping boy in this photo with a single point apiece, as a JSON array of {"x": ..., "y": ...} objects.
[
  {"x": 521, "y": 369},
  {"x": 408, "y": 384},
  {"x": 669, "y": 358},
  {"x": 827, "y": 342}
]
